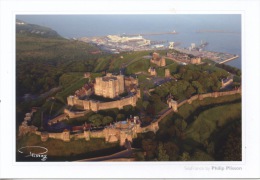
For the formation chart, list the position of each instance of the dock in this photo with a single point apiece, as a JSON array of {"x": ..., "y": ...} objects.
[
  {"x": 152, "y": 34},
  {"x": 230, "y": 59}
]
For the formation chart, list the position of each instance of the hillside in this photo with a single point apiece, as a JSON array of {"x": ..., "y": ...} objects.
[
  {"x": 35, "y": 30},
  {"x": 43, "y": 56}
]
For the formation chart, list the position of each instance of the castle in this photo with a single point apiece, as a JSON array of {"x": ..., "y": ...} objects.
[
  {"x": 167, "y": 73},
  {"x": 196, "y": 60},
  {"x": 119, "y": 131},
  {"x": 109, "y": 86},
  {"x": 156, "y": 59}
]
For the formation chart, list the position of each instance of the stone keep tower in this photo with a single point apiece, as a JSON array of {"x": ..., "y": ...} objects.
[
  {"x": 109, "y": 86},
  {"x": 173, "y": 104},
  {"x": 66, "y": 135},
  {"x": 167, "y": 73}
]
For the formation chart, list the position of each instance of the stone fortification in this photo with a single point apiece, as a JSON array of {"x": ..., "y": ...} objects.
[
  {"x": 24, "y": 128},
  {"x": 109, "y": 86},
  {"x": 196, "y": 60},
  {"x": 75, "y": 114},
  {"x": 175, "y": 105},
  {"x": 97, "y": 105},
  {"x": 152, "y": 71},
  {"x": 183, "y": 58},
  {"x": 167, "y": 73},
  {"x": 117, "y": 132},
  {"x": 226, "y": 82},
  {"x": 156, "y": 59},
  {"x": 120, "y": 131}
]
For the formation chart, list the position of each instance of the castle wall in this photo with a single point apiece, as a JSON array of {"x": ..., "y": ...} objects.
[
  {"x": 115, "y": 134},
  {"x": 55, "y": 136},
  {"x": 97, "y": 134},
  {"x": 95, "y": 105},
  {"x": 57, "y": 119},
  {"x": 214, "y": 94},
  {"x": 156, "y": 59},
  {"x": 72, "y": 114},
  {"x": 78, "y": 136}
]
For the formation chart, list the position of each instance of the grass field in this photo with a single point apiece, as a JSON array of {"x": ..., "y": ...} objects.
[
  {"x": 69, "y": 150},
  {"x": 29, "y": 47},
  {"x": 144, "y": 82},
  {"x": 190, "y": 112},
  {"x": 207, "y": 122},
  {"x": 187, "y": 109},
  {"x": 138, "y": 66},
  {"x": 69, "y": 90}
]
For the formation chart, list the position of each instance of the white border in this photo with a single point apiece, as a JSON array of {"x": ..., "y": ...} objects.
[{"x": 250, "y": 64}]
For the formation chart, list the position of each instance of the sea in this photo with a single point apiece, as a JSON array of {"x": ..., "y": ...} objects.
[{"x": 221, "y": 31}]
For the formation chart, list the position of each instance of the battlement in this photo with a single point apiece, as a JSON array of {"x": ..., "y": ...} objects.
[{"x": 97, "y": 105}]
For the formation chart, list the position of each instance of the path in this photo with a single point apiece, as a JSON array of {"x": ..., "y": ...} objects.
[{"x": 121, "y": 154}]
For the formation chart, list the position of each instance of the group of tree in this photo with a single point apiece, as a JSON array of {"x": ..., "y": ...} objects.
[
  {"x": 192, "y": 79},
  {"x": 230, "y": 69},
  {"x": 98, "y": 120}
]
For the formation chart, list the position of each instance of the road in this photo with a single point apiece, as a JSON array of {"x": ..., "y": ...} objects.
[{"x": 122, "y": 154}]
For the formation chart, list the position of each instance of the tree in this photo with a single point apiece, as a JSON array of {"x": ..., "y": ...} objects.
[
  {"x": 198, "y": 87},
  {"x": 150, "y": 147},
  {"x": 107, "y": 120},
  {"x": 233, "y": 146},
  {"x": 120, "y": 117},
  {"x": 201, "y": 156},
  {"x": 185, "y": 156},
  {"x": 145, "y": 104},
  {"x": 162, "y": 155},
  {"x": 190, "y": 91},
  {"x": 96, "y": 119},
  {"x": 172, "y": 150},
  {"x": 97, "y": 122}
]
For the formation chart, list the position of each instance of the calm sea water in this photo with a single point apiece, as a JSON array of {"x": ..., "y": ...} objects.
[{"x": 70, "y": 26}]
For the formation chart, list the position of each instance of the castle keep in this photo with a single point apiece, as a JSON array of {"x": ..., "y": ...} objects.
[{"x": 109, "y": 86}]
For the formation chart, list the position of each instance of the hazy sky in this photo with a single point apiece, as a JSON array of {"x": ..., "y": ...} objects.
[{"x": 83, "y": 25}]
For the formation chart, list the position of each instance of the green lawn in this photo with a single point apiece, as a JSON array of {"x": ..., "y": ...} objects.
[
  {"x": 138, "y": 66},
  {"x": 66, "y": 150},
  {"x": 69, "y": 90},
  {"x": 207, "y": 122},
  {"x": 144, "y": 82},
  {"x": 187, "y": 109}
]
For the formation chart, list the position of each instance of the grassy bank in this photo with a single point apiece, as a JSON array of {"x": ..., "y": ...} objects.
[
  {"x": 73, "y": 150},
  {"x": 208, "y": 121},
  {"x": 69, "y": 90}
]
